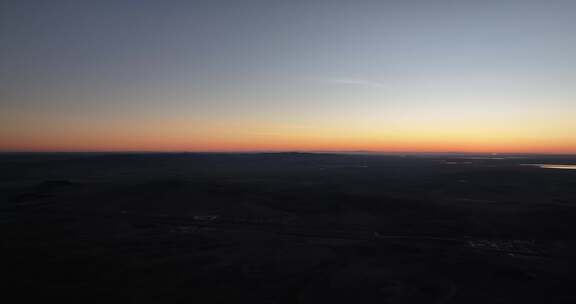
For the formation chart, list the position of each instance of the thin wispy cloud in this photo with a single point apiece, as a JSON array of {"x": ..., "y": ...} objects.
[{"x": 349, "y": 81}]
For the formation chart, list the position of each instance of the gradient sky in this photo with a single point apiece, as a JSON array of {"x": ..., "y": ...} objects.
[{"x": 246, "y": 75}]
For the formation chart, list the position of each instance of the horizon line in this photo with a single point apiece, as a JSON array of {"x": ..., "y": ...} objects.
[{"x": 282, "y": 151}]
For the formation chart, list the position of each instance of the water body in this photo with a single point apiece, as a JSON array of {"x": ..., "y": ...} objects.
[{"x": 553, "y": 166}]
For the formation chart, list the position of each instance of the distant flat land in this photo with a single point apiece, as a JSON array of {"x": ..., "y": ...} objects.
[{"x": 290, "y": 227}]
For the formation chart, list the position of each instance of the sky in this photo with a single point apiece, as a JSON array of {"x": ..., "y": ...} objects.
[{"x": 299, "y": 75}]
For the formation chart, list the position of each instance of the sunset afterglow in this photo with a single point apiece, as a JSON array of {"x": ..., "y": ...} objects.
[{"x": 394, "y": 76}]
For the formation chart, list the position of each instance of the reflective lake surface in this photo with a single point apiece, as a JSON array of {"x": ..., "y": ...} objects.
[{"x": 553, "y": 166}]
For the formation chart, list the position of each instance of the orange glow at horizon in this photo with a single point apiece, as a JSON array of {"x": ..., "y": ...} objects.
[
  {"x": 408, "y": 131},
  {"x": 284, "y": 142}
]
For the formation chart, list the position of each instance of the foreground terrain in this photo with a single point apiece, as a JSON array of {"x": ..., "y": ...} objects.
[{"x": 289, "y": 228}]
